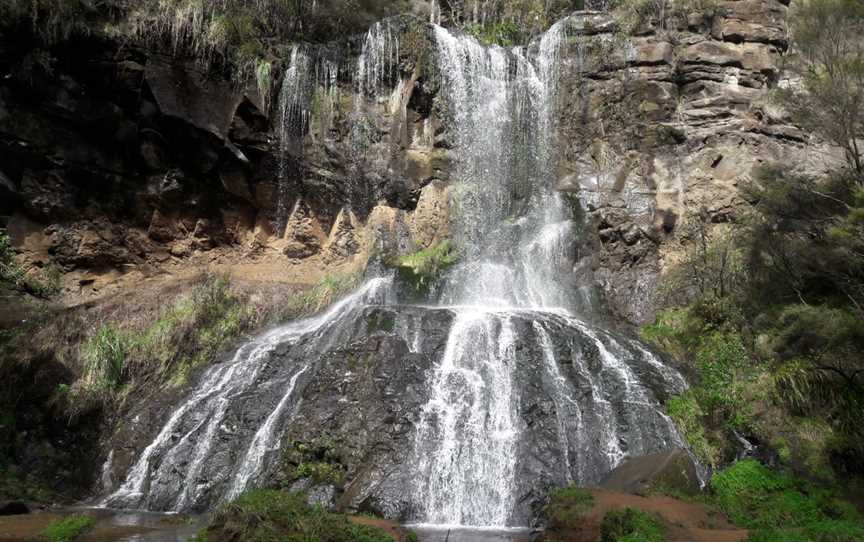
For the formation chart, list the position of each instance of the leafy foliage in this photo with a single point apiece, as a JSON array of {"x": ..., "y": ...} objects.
[
  {"x": 830, "y": 60},
  {"x": 68, "y": 529},
  {"x": 631, "y": 525}
]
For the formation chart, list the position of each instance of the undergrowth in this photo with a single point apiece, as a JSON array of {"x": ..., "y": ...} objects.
[
  {"x": 778, "y": 506},
  {"x": 567, "y": 507}
]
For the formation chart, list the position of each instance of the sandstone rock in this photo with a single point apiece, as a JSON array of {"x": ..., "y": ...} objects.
[
  {"x": 161, "y": 228},
  {"x": 342, "y": 241},
  {"x": 303, "y": 232}
]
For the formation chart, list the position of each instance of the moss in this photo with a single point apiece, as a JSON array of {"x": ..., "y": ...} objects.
[
  {"x": 67, "y": 529},
  {"x": 567, "y": 507},
  {"x": 270, "y": 516},
  {"x": 318, "y": 460},
  {"x": 631, "y": 525},
  {"x": 380, "y": 320},
  {"x": 423, "y": 268}
]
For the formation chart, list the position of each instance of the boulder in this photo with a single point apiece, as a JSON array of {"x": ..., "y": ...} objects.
[
  {"x": 13, "y": 508},
  {"x": 672, "y": 469}
]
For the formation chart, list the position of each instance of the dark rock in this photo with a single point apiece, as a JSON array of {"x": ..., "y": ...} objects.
[
  {"x": 184, "y": 92},
  {"x": 13, "y": 508}
]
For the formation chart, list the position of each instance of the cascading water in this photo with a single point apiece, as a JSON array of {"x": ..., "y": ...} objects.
[
  {"x": 169, "y": 473},
  {"x": 518, "y": 391},
  {"x": 515, "y": 235}
]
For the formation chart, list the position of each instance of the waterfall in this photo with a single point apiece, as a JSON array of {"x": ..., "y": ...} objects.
[{"x": 512, "y": 389}]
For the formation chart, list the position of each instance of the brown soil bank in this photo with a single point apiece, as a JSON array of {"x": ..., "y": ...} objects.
[{"x": 684, "y": 521}]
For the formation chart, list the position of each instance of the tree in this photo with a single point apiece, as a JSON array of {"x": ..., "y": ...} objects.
[{"x": 828, "y": 54}]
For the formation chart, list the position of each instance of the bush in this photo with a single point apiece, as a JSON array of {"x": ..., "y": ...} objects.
[
  {"x": 67, "y": 529},
  {"x": 567, "y": 506},
  {"x": 264, "y": 515},
  {"x": 631, "y": 525}
]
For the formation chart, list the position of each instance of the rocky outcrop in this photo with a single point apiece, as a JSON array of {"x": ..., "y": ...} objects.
[{"x": 665, "y": 125}]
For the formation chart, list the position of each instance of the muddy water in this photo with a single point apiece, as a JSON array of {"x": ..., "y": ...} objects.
[{"x": 111, "y": 525}]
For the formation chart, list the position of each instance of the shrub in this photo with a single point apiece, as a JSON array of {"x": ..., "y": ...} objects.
[
  {"x": 567, "y": 506},
  {"x": 631, "y": 525},
  {"x": 68, "y": 528}
]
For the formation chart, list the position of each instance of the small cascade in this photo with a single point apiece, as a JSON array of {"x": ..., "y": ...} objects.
[
  {"x": 378, "y": 64},
  {"x": 308, "y": 104},
  {"x": 177, "y": 471}
]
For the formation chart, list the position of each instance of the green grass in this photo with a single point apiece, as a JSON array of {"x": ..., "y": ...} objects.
[
  {"x": 568, "y": 506},
  {"x": 631, "y": 525},
  {"x": 68, "y": 528},
  {"x": 105, "y": 357},
  {"x": 265, "y": 515}
]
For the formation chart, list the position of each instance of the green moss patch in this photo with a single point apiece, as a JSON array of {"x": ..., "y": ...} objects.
[
  {"x": 567, "y": 507},
  {"x": 423, "y": 268}
]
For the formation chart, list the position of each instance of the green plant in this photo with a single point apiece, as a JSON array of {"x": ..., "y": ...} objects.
[
  {"x": 568, "y": 506},
  {"x": 68, "y": 528},
  {"x": 503, "y": 33},
  {"x": 688, "y": 415},
  {"x": 631, "y": 525}
]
